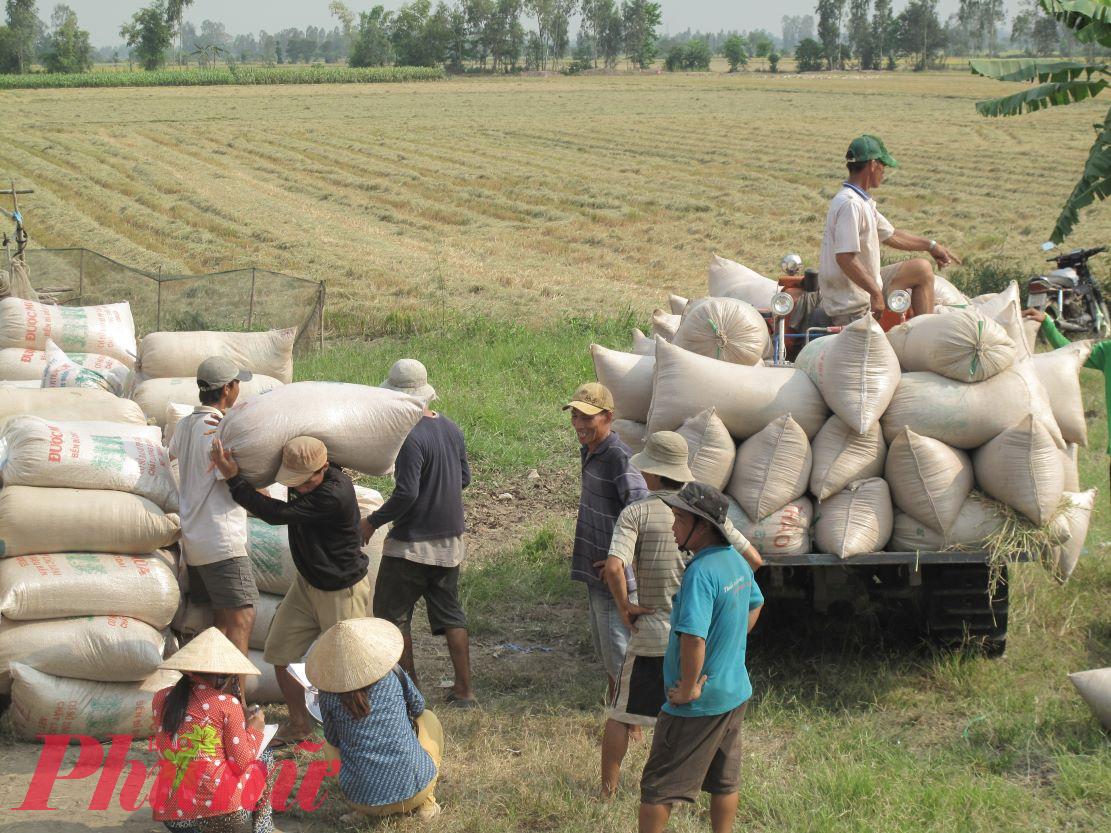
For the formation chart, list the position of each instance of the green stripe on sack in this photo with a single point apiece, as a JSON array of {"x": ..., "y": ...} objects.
[{"x": 976, "y": 358}]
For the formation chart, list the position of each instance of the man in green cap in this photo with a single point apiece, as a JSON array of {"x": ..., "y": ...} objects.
[{"x": 850, "y": 277}]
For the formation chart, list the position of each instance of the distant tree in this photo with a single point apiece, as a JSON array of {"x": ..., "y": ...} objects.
[
  {"x": 534, "y": 52},
  {"x": 884, "y": 35},
  {"x": 762, "y": 46},
  {"x": 860, "y": 33},
  {"x": 810, "y": 56},
  {"x": 611, "y": 36},
  {"x": 68, "y": 48},
  {"x": 23, "y": 28},
  {"x": 345, "y": 16},
  {"x": 279, "y": 55},
  {"x": 773, "y": 61},
  {"x": 691, "y": 55},
  {"x": 640, "y": 19},
  {"x": 458, "y": 42},
  {"x": 921, "y": 35},
  {"x": 830, "y": 13},
  {"x": 560, "y": 27},
  {"x": 796, "y": 28},
  {"x": 175, "y": 11},
  {"x": 371, "y": 46},
  {"x": 419, "y": 37},
  {"x": 734, "y": 52},
  {"x": 149, "y": 34}
]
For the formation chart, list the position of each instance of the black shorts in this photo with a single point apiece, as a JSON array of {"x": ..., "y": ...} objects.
[
  {"x": 224, "y": 585},
  {"x": 402, "y": 583},
  {"x": 691, "y": 755},
  {"x": 639, "y": 694}
]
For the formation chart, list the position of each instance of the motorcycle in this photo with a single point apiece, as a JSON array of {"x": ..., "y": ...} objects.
[{"x": 1070, "y": 295}]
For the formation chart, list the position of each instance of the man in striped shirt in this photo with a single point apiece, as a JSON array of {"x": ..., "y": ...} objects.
[{"x": 609, "y": 484}]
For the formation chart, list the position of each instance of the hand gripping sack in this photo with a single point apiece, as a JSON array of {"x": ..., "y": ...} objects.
[
  {"x": 642, "y": 344},
  {"x": 106, "y": 648},
  {"x": 61, "y": 585},
  {"x": 965, "y": 345},
  {"x": 37, "y": 520},
  {"x": 677, "y": 304},
  {"x": 88, "y": 455},
  {"x": 929, "y": 480},
  {"x": 856, "y": 520},
  {"x": 70, "y": 404},
  {"x": 842, "y": 456},
  {"x": 19, "y": 364},
  {"x": 664, "y": 324},
  {"x": 107, "y": 329},
  {"x": 632, "y": 433},
  {"x": 729, "y": 279},
  {"x": 155, "y": 396},
  {"x": 1095, "y": 688},
  {"x": 43, "y": 704},
  {"x": 978, "y": 519},
  {"x": 711, "y": 451},
  {"x": 1022, "y": 468},
  {"x": 747, "y": 399},
  {"x": 772, "y": 468},
  {"x": 61, "y": 371},
  {"x": 179, "y": 354},
  {"x": 725, "y": 329},
  {"x": 856, "y": 371},
  {"x": 785, "y": 531},
  {"x": 363, "y": 427},
  {"x": 1078, "y": 516},
  {"x": 1059, "y": 373},
  {"x": 628, "y": 377}
]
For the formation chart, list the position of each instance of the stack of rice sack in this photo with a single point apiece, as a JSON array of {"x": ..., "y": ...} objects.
[
  {"x": 166, "y": 381},
  {"x": 87, "y": 585}
]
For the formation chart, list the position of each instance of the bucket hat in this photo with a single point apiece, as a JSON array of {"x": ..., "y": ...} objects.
[
  {"x": 210, "y": 652},
  {"x": 302, "y": 457},
  {"x": 353, "y": 654},
  {"x": 705, "y": 502},
  {"x": 665, "y": 454},
  {"x": 411, "y": 377}
]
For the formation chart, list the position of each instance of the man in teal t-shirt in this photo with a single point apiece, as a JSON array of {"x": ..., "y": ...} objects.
[{"x": 697, "y": 743}]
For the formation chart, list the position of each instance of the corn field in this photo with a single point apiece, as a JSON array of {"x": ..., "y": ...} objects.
[{"x": 221, "y": 77}]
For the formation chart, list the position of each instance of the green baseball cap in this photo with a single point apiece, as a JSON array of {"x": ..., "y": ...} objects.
[{"x": 866, "y": 148}]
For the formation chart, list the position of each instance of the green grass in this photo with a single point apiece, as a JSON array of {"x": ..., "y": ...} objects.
[{"x": 223, "y": 76}]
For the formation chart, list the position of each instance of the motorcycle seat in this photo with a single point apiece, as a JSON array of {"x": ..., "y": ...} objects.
[{"x": 1059, "y": 280}]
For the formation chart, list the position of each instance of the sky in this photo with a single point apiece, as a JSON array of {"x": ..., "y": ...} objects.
[{"x": 103, "y": 17}]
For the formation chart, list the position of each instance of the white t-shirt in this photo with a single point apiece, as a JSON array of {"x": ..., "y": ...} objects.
[
  {"x": 213, "y": 526},
  {"x": 853, "y": 224}
]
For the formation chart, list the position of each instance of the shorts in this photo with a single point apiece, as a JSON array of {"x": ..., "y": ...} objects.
[
  {"x": 691, "y": 755},
  {"x": 639, "y": 694},
  {"x": 225, "y": 585},
  {"x": 611, "y": 637},
  {"x": 401, "y": 583},
  {"x": 306, "y": 612},
  {"x": 887, "y": 275}
]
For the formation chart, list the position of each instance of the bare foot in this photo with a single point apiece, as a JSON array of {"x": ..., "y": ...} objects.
[{"x": 636, "y": 734}]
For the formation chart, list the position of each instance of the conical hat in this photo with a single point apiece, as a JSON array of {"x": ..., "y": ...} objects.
[
  {"x": 210, "y": 652},
  {"x": 353, "y": 654}
]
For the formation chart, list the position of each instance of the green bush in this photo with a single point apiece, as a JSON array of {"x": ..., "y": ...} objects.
[
  {"x": 809, "y": 56},
  {"x": 317, "y": 74},
  {"x": 692, "y": 55}
]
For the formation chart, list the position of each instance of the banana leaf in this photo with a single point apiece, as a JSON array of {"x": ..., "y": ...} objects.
[
  {"x": 1089, "y": 19},
  {"x": 1094, "y": 184},
  {"x": 1040, "y": 97},
  {"x": 1030, "y": 69}
]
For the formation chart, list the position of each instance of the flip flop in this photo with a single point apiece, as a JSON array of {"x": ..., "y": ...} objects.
[
  {"x": 284, "y": 737},
  {"x": 453, "y": 699}
]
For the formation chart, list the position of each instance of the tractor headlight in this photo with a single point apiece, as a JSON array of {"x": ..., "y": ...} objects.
[
  {"x": 898, "y": 301},
  {"x": 782, "y": 304}
]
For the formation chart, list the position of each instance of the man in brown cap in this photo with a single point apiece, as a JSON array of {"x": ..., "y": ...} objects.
[
  {"x": 609, "y": 484},
  {"x": 332, "y": 583}
]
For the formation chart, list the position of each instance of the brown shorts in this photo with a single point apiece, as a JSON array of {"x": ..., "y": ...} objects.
[{"x": 691, "y": 755}]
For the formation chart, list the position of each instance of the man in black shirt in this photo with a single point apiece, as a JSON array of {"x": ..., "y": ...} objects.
[{"x": 332, "y": 584}]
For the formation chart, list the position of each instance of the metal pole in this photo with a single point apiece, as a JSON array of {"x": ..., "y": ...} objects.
[
  {"x": 158, "y": 314},
  {"x": 251, "y": 308},
  {"x": 323, "y": 293}
]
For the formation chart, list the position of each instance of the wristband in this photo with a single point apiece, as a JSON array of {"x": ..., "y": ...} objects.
[{"x": 933, "y": 245}]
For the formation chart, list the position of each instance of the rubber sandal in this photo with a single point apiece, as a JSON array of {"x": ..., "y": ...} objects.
[
  {"x": 454, "y": 700},
  {"x": 284, "y": 737}
]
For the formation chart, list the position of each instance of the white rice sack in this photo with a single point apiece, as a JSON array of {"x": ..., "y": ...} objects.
[
  {"x": 175, "y": 413},
  {"x": 62, "y": 585},
  {"x": 976, "y": 522},
  {"x": 363, "y": 427},
  {"x": 63, "y": 372},
  {"x": 17, "y": 364},
  {"x": 677, "y": 304},
  {"x": 642, "y": 344},
  {"x": 841, "y": 456},
  {"x": 628, "y": 377},
  {"x": 929, "y": 480},
  {"x": 43, "y": 704},
  {"x": 1022, "y": 468},
  {"x": 785, "y": 531},
  {"x": 36, "y": 520},
  {"x": 1059, "y": 373},
  {"x": 710, "y": 449},
  {"x": 1006, "y": 308},
  {"x": 856, "y": 371},
  {"x": 747, "y": 399},
  {"x": 1040, "y": 406},
  {"x": 106, "y": 648},
  {"x": 21, "y": 384},
  {"x": 88, "y": 455},
  {"x": 1078, "y": 516},
  {"x": 155, "y": 396},
  {"x": 1095, "y": 688},
  {"x": 107, "y": 330},
  {"x": 634, "y": 434},
  {"x": 664, "y": 324},
  {"x": 179, "y": 354},
  {"x": 263, "y": 688},
  {"x": 192, "y": 618},
  {"x": 946, "y": 295},
  {"x": 729, "y": 279},
  {"x": 965, "y": 345},
  {"x": 772, "y": 468},
  {"x": 70, "y": 404},
  {"x": 855, "y": 521},
  {"x": 725, "y": 329},
  {"x": 1070, "y": 461}
]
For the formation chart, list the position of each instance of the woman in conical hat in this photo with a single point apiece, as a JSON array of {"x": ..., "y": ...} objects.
[
  {"x": 388, "y": 744},
  {"x": 208, "y": 746}
]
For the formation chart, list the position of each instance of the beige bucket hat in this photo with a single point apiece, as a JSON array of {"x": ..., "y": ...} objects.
[
  {"x": 210, "y": 652},
  {"x": 411, "y": 377},
  {"x": 665, "y": 454},
  {"x": 353, "y": 654}
]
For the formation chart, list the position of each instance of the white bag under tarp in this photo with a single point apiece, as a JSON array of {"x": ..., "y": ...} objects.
[
  {"x": 193, "y": 617},
  {"x": 677, "y": 304},
  {"x": 155, "y": 396},
  {"x": 180, "y": 354},
  {"x": 946, "y": 294},
  {"x": 108, "y": 329},
  {"x": 62, "y": 585},
  {"x": 929, "y": 480},
  {"x": 664, "y": 324},
  {"x": 1022, "y": 468},
  {"x": 1094, "y": 687},
  {"x": 105, "y": 648},
  {"x": 43, "y": 704},
  {"x": 729, "y": 279},
  {"x": 71, "y": 404},
  {"x": 978, "y": 519},
  {"x": 841, "y": 456},
  {"x": 711, "y": 451},
  {"x": 725, "y": 329},
  {"x": 965, "y": 345},
  {"x": 263, "y": 687},
  {"x": 960, "y": 415},
  {"x": 785, "y": 531},
  {"x": 18, "y": 364},
  {"x": 628, "y": 377},
  {"x": 856, "y": 520},
  {"x": 37, "y": 520},
  {"x": 634, "y": 434},
  {"x": 1006, "y": 308},
  {"x": 61, "y": 371},
  {"x": 1059, "y": 373},
  {"x": 856, "y": 371},
  {"x": 1070, "y": 460},
  {"x": 1078, "y": 517},
  {"x": 747, "y": 399},
  {"x": 642, "y": 344},
  {"x": 772, "y": 468},
  {"x": 88, "y": 455},
  {"x": 363, "y": 427}
]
